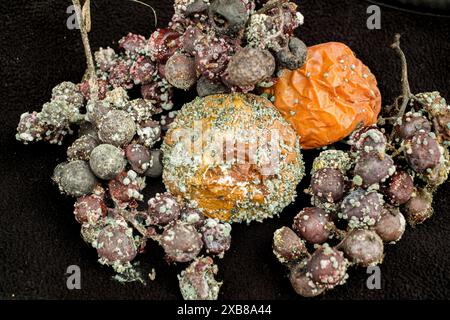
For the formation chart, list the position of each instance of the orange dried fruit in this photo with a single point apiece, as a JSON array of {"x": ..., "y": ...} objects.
[{"x": 329, "y": 97}]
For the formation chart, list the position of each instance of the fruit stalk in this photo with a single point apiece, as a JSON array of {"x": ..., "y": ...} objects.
[{"x": 87, "y": 51}]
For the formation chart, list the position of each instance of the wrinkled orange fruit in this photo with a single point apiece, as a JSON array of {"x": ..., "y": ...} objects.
[{"x": 330, "y": 96}]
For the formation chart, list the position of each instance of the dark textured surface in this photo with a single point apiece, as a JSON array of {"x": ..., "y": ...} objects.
[{"x": 39, "y": 237}]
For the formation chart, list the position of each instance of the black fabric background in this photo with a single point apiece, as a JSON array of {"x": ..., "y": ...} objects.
[{"x": 39, "y": 238}]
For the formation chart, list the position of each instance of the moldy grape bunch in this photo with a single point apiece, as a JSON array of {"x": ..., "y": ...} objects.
[
  {"x": 220, "y": 45},
  {"x": 385, "y": 179},
  {"x": 213, "y": 46}
]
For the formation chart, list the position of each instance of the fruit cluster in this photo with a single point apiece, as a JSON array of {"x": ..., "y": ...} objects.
[
  {"x": 106, "y": 171},
  {"x": 217, "y": 46},
  {"x": 362, "y": 197}
]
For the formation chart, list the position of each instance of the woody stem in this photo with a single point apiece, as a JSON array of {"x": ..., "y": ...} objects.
[
  {"x": 87, "y": 51},
  {"x": 406, "y": 90}
]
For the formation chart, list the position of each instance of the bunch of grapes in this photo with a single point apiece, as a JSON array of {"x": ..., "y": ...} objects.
[
  {"x": 216, "y": 46},
  {"x": 363, "y": 196},
  {"x": 116, "y": 150}
]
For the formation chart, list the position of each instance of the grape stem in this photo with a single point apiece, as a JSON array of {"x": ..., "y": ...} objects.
[
  {"x": 129, "y": 217},
  {"x": 338, "y": 233},
  {"x": 406, "y": 90},
  {"x": 149, "y": 6},
  {"x": 93, "y": 88}
]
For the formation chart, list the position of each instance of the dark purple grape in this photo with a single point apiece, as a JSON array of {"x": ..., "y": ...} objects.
[
  {"x": 81, "y": 148},
  {"x": 89, "y": 209},
  {"x": 216, "y": 236},
  {"x": 189, "y": 39},
  {"x": 180, "y": 71},
  {"x": 391, "y": 225},
  {"x": 368, "y": 139},
  {"x": 313, "y": 225},
  {"x": 372, "y": 168},
  {"x": 211, "y": 56},
  {"x": 163, "y": 208},
  {"x": 362, "y": 208},
  {"x": 364, "y": 247},
  {"x": 160, "y": 93},
  {"x": 143, "y": 70},
  {"x": 411, "y": 124},
  {"x": 419, "y": 207},
  {"x": 287, "y": 246},
  {"x": 327, "y": 266},
  {"x": 115, "y": 243},
  {"x": 138, "y": 157},
  {"x": 303, "y": 284},
  {"x": 422, "y": 152},
  {"x": 163, "y": 43},
  {"x": 181, "y": 242},
  {"x": 119, "y": 75},
  {"x": 399, "y": 188},
  {"x": 125, "y": 189},
  {"x": 155, "y": 167},
  {"x": 328, "y": 184}
]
